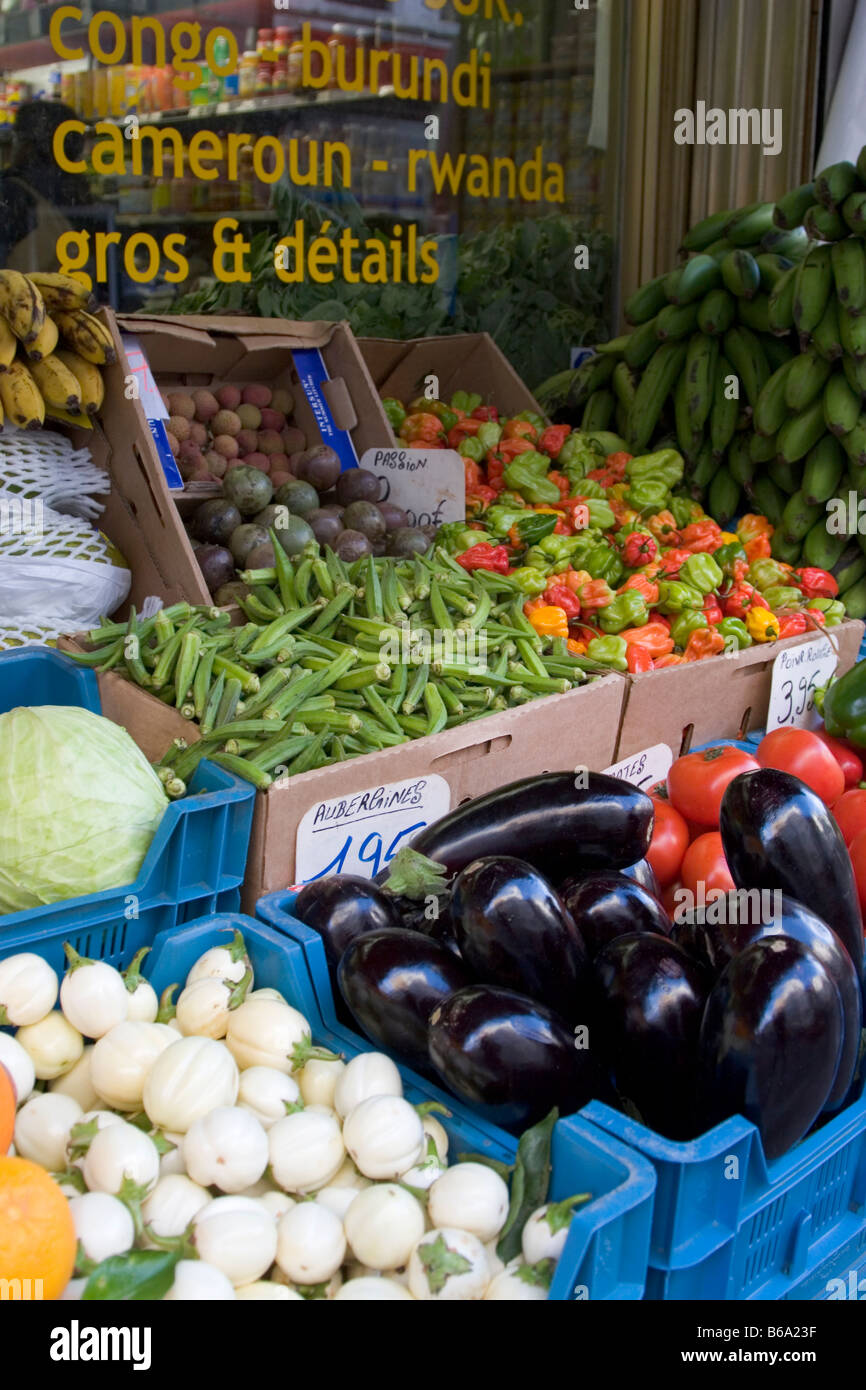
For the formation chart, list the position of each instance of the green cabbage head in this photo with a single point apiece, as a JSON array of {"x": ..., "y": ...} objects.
[{"x": 79, "y": 806}]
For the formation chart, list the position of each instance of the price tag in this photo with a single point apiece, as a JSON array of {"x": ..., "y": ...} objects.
[
  {"x": 428, "y": 484},
  {"x": 645, "y": 768},
  {"x": 797, "y": 674},
  {"x": 360, "y": 834}
]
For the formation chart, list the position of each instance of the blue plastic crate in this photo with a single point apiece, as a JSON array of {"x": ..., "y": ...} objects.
[
  {"x": 195, "y": 864},
  {"x": 606, "y": 1253},
  {"x": 772, "y": 1232}
]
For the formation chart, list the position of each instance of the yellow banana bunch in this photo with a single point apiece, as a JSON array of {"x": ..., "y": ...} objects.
[
  {"x": 91, "y": 387},
  {"x": 87, "y": 335},
  {"x": 59, "y": 386},
  {"x": 62, "y": 292},
  {"x": 69, "y": 417},
  {"x": 45, "y": 341},
  {"x": 21, "y": 397},
  {"x": 8, "y": 345},
  {"x": 22, "y": 305}
]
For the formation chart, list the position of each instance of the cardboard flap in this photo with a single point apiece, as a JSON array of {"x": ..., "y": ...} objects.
[
  {"x": 289, "y": 332},
  {"x": 336, "y": 393},
  {"x": 462, "y": 361}
]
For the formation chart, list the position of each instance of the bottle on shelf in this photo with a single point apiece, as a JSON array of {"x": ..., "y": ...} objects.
[
  {"x": 227, "y": 85},
  {"x": 296, "y": 66},
  {"x": 247, "y": 73}
]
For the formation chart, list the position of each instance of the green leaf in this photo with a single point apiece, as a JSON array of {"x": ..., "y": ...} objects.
[
  {"x": 440, "y": 1262},
  {"x": 559, "y": 1214},
  {"x": 137, "y": 1276},
  {"x": 413, "y": 875},
  {"x": 539, "y": 1275},
  {"x": 529, "y": 1184},
  {"x": 503, "y": 1169}
]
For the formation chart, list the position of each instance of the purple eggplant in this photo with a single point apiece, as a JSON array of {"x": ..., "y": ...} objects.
[
  {"x": 392, "y": 981},
  {"x": 771, "y": 1041},
  {"x": 513, "y": 931},
  {"x": 777, "y": 833},
  {"x": 561, "y": 823},
  {"x": 716, "y": 934},
  {"x": 650, "y": 998},
  {"x": 606, "y": 906},
  {"x": 510, "y": 1057},
  {"x": 343, "y": 907},
  {"x": 643, "y": 873}
]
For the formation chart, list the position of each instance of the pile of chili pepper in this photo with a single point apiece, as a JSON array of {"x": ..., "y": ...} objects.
[{"x": 611, "y": 554}]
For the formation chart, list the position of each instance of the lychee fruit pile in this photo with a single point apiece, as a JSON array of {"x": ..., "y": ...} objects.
[{"x": 209, "y": 431}]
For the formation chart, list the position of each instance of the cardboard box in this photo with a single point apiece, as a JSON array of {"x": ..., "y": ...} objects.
[
  {"x": 211, "y": 351},
  {"x": 578, "y": 729},
  {"x": 140, "y": 516},
  {"x": 462, "y": 362},
  {"x": 721, "y": 697}
]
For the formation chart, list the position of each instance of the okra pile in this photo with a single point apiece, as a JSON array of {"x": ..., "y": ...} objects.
[{"x": 336, "y": 660}]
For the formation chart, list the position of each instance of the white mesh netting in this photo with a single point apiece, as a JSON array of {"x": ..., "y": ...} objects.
[
  {"x": 57, "y": 573},
  {"x": 43, "y": 464}
]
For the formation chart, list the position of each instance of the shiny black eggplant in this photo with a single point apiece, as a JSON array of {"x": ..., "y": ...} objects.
[
  {"x": 643, "y": 873},
  {"x": 650, "y": 998},
  {"x": 510, "y": 1057},
  {"x": 554, "y": 821},
  {"x": 716, "y": 934},
  {"x": 605, "y": 906},
  {"x": 513, "y": 931},
  {"x": 343, "y": 907},
  {"x": 777, "y": 833},
  {"x": 771, "y": 1041},
  {"x": 392, "y": 980}
]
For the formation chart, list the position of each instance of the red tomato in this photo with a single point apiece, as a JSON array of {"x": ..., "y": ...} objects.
[
  {"x": 850, "y": 813},
  {"x": 669, "y": 842},
  {"x": 857, "y": 851},
  {"x": 697, "y": 781},
  {"x": 849, "y": 761},
  {"x": 669, "y": 899},
  {"x": 802, "y": 753},
  {"x": 705, "y": 864}
]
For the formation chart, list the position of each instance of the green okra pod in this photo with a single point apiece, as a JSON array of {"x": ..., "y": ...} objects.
[
  {"x": 242, "y": 767},
  {"x": 332, "y": 610},
  {"x": 379, "y": 709},
  {"x": 437, "y": 714},
  {"x": 415, "y": 693}
]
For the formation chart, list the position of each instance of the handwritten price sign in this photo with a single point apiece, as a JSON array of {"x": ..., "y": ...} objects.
[
  {"x": 797, "y": 673},
  {"x": 361, "y": 833},
  {"x": 645, "y": 768}
]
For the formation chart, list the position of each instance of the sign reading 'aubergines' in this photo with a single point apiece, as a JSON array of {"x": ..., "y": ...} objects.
[{"x": 361, "y": 832}]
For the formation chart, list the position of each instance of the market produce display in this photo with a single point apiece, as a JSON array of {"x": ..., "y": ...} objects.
[
  {"x": 770, "y": 296},
  {"x": 81, "y": 805},
  {"x": 212, "y": 1151},
  {"x": 609, "y": 548},
  {"x": 317, "y": 503},
  {"x": 337, "y": 659},
  {"x": 39, "y": 378},
  {"x": 208, "y": 431},
  {"x": 730, "y": 984}
]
